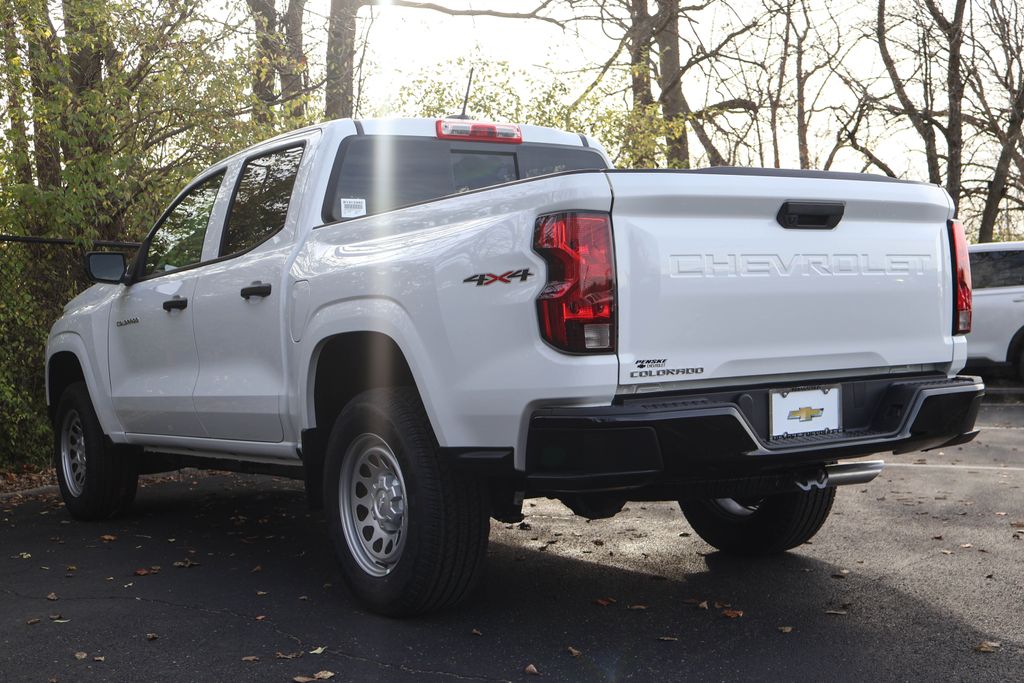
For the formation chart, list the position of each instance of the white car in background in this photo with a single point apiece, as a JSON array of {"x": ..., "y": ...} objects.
[{"x": 997, "y": 337}]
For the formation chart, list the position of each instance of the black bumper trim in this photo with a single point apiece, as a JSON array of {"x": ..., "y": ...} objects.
[{"x": 674, "y": 439}]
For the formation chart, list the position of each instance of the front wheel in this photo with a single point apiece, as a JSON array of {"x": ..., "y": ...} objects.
[
  {"x": 763, "y": 526},
  {"x": 97, "y": 479},
  {"x": 410, "y": 533}
]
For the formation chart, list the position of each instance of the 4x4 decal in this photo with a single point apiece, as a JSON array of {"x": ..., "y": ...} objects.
[{"x": 484, "y": 279}]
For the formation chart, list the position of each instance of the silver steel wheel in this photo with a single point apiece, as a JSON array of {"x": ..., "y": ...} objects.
[
  {"x": 739, "y": 508},
  {"x": 72, "y": 452},
  {"x": 373, "y": 504}
]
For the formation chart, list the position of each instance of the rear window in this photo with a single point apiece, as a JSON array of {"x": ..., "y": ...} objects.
[
  {"x": 997, "y": 269},
  {"x": 373, "y": 174}
]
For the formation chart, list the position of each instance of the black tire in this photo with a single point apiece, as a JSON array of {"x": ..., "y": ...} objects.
[
  {"x": 446, "y": 514},
  {"x": 770, "y": 525},
  {"x": 103, "y": 484}
]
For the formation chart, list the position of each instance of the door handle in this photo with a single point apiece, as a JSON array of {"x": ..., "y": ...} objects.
[
  {"x": 176, "y": 304},
  {"x": 256, "y": 289}
]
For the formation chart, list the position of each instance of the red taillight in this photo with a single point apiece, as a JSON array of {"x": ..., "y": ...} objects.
[
  {"x": 457, "y": 129},
  {"x": 961, "y": 279},
  {"x": 577, "y": 305}
]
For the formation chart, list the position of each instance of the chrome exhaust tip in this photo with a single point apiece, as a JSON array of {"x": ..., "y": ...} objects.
[{"x": 843, "y": 474}]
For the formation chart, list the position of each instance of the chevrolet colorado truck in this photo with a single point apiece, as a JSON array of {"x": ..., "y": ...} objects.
[{"x": 428, "y": 321}]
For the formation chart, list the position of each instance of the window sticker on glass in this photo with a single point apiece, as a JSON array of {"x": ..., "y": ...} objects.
[{"x": 352, "y": 208}]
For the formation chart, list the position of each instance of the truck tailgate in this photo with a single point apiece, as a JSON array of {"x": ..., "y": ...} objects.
[{"x": 711, "y": 286}]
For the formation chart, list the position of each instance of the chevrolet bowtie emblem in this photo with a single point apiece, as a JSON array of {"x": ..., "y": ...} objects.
[{"x": 806, "y": 414}]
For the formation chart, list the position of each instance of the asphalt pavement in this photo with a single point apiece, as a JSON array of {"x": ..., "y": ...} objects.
[{"x": 227, "y": 577}]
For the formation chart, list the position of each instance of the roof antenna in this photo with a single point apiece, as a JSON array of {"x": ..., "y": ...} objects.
[{"x": 465, "y": 100}]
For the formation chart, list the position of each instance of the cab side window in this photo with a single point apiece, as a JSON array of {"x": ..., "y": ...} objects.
[
  {"x": 997, "y": 268},
  {"x": 178, "y": 240},
  {"x": 261, "y": 200}
]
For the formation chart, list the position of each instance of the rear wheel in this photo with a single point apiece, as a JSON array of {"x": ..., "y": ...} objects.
[
  {"x": 762, "y": 526},
  {"x": 410, "y": 533},
  {"x": 96, "y": 478}
]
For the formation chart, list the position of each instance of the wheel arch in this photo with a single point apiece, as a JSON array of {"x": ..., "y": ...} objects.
[
  {"x": 1016, "y": 347},
  {"x": 62, "y": 370}
]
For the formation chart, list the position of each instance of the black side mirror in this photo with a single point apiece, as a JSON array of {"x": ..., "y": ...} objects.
[{"x": 106, "y": 266}]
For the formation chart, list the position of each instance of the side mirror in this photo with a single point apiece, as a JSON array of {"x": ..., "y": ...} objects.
[{"x": 106, "y": 266}]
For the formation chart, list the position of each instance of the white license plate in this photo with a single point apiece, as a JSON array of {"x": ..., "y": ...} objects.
[{"x": 805, "y": 411}]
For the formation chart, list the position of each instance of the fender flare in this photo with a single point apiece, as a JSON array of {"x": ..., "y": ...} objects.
[
  {"x": 378, "y": 315},
  {"x": 99, "y": 392}
]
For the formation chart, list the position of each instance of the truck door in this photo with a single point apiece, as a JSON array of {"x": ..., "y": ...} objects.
[
  {"x": 153, "y": 357},
  {"x": 240, "y": 331}
]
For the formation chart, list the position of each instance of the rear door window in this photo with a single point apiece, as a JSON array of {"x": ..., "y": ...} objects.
[
  {"x": 373, "y": 174},
  {"x": 997, "y": 268},
  {"x": 260, "y": 206}
]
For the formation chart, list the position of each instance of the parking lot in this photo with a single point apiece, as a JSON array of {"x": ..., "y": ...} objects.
[{"x": 917, "y": 575}]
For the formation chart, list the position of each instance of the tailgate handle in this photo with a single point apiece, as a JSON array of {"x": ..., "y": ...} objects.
[{"x": 810, "y": 215}]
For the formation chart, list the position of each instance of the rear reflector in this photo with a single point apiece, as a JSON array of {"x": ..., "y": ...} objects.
[
  {"x": 457, "y": 129},
  {"x": 577, "y": 305},
  {"x": 961, "y": 279}
]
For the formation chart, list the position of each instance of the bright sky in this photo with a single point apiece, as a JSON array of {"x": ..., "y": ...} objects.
[{"x": 405, "y": 42}]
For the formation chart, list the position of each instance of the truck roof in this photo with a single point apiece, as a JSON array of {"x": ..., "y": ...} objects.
[{"x": 423, "y": 127}]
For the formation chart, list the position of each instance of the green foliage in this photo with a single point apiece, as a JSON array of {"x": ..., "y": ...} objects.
[
  {"x": 633, "y": 138},
  {"x": 132, "y": 99}
]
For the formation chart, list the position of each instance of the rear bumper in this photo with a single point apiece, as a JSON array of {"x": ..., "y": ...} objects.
[{"x": 722, "y": 436}]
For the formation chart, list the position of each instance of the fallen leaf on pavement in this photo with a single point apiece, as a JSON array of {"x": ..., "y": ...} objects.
[
  {"x": 839, "y": 612},
  {"x": 785, "y": 629},
  {"x": 304, "y": 679},
  {"x": 33, "y": 622},
  {"x": 573, "y": 651},
  {"x": 323, "y": 675},
  {"x": 702, "y": 605},
  {"x": 318, "y": 651},
  {"x": 51, "y": 597},
  {"x": 151, "y": 636},
  {"x": 261, "y": 617},
  {"x": 250, "y": 658},
  {"x": 108, "y": 538},
  {"x": 937, "y": 538},
  {"x": 604, "y": 602},
  {"x": 732, "y": 613},
  {"x": 966, "y": 545},
  {"x": 946, "y": 552},
  {"x": 82, "y": 655},
  {"x": 290, "y": 655},
  {"x": 640, "y": 607},
  {"x": 476, "y": 632},
  {"x": 668, "y": 639},
  {"x": 531, "y": 670},
  {"x": 261, "y": 593},
  {"x": 257, "y": 568},
  {"x": 987, "y": 646},
  {"x": 99, "y": 658},
  {"x": 142, "y": 572},
  {"x": 186, "y": 563}
]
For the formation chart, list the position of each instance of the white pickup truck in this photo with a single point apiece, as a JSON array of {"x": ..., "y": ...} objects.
[{"x": 428, "y": 321}]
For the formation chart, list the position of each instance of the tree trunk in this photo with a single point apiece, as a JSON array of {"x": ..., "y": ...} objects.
[
  {"x": 264, "y": 15},
  {"x": 667, "y": 38},
  {"x": 341, "y": 49},
  {"x": 17, "y": 134},
  {"x": 953, "y": 30},
  {"x": 44, "y": 76},
  {"x": 639, "y": 49},
  {"x": 292, "y": 66}
]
